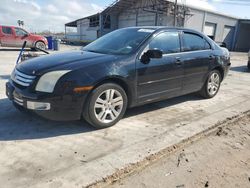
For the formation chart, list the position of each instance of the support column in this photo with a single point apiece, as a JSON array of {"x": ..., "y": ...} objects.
[
  {"x": 100, "y": 25},
  {"x": 204, "y": 21}
]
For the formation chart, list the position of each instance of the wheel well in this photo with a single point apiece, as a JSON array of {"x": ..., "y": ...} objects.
[
  {"x": 220, "y": 69},
  {"x": 119, "y": 82},
  {"x": 39, "y": 41}
]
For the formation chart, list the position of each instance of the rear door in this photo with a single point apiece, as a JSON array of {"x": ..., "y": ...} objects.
[
  {"x": 197, "y": 56},
  {"x": 7, "y": 38},
  {"x": 161, "y": 78}
]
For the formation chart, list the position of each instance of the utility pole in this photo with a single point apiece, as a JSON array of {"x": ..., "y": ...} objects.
[{"x": 175, "y": 12}]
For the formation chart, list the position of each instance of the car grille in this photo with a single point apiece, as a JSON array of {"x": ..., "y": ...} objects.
[
  {"x": 21, "y": 78},
  {"x": 18, "y": 101}
]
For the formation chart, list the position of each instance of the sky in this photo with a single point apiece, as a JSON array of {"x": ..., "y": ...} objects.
[{"x": 40, "y": 15}]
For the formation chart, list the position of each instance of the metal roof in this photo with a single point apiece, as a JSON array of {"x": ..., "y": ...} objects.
[
  {"x": 74, "y": 23},
  {"x": 119, "y": 5},
  {"x": 122, "y": 4}
]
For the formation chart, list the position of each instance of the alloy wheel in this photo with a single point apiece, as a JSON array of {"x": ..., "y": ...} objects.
[
  {"x": 108, "y": 106},
  {"x": 213, "y": 83},
  {"x": 40, "y": 45}
]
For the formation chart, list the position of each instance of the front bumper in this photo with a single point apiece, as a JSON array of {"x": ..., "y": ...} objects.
[{"x": 64, "y": 107}]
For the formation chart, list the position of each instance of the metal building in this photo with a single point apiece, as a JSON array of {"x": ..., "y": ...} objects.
[
  {"x": 242, "y": 42},
  {"x": 126, "y": 13}
]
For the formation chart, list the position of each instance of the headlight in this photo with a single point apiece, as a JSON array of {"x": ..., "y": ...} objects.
[{"x": 48, "y": 81}]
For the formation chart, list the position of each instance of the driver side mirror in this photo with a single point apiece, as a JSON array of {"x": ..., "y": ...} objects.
[{"x": 151, "y": 54}]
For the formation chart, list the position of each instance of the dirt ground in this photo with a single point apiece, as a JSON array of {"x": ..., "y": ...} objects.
[{"x": 221, "y": 159}]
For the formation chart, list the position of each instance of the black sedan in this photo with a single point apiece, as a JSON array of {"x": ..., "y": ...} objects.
[{"x": 125, "y": 68}]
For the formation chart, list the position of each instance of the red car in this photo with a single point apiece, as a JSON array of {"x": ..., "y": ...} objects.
[{"x": 11, "y": 36}]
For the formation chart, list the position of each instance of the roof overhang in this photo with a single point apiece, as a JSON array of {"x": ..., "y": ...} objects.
[
  {"x": 74, "y": 23},
  {"x": 244, "y": 21}
]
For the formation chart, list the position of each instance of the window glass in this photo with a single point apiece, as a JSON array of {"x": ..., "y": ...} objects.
[
  {"x": 20, "y": 32},
  {"x": 207, "y": 45},
  {"x": 193, "y": 42},
  {"x": 121, "y": 42},
  {"x": 167, "y": 42},
  {"x": 7, "y": 30}
]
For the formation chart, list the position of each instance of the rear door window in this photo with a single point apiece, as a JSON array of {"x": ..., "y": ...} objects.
[
  {"x": 7, "y": 30},
  {"x": 167, "y": 42},
  {"x": 194, "y": 42}
]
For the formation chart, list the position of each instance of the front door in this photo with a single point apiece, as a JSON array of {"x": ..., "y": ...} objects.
[
  {"x": 160, "y": 78},
  {"x": 20, "y": 37}
]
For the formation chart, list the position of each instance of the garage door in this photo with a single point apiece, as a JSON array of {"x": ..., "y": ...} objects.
[
  {"x": 228, "y": 36},
  {"x": 210, "y": 30}
]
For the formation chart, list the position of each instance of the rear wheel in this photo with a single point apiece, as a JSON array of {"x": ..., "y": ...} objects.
[
  {"x": 212, "y": 85},
  {"x": 106, "y": 106},
  {"x": 40, "y": 45}
]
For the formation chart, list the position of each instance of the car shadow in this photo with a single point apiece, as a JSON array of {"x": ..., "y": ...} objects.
[
  {"x": 161, "y": 104},
  {"x": 13, "y": 49},
  {"x": 240, "y": 69},
  {"x": 16, "y": 125}
]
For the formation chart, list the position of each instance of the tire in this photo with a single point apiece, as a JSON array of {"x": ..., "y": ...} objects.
[
  {"x": 100, "y": 110},
  {"x": 248, "y": 65},
  {"x": 212, "y": 85},
  {"x": 41, "y": 45}
]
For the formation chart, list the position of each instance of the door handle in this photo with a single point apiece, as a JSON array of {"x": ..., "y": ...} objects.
[
  {"x": 211, "y": 57},
  {"x": 178, "y": 61}
]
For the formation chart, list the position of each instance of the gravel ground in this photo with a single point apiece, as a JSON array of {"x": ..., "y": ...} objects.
[{"x": 220, "y": 160}]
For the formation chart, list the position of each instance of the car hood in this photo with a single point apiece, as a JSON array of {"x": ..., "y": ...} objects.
[
  {"x": 69, "y": 60},
  {"x": 37, "y": 36}
]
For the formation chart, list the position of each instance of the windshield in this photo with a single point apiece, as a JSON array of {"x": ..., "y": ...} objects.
[{"x": 120, "y": 42}]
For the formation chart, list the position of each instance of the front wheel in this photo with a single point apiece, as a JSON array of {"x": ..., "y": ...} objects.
[
  {"x": 40, "y": 45},
  {"x": 106, "y": 106},
  {"x": 212, "y": 85}
]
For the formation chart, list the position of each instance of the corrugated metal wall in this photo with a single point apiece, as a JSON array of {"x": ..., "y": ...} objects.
[
  {"x": 85, "y": 32},
  {"x": 142, "y": 17}
]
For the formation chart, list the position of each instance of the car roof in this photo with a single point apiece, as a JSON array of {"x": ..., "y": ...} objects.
[
  {"x": 160, "y": 28},
  {"x": 8, "y": 26}
]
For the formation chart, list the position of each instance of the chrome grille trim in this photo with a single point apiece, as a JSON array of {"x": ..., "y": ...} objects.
[
  {"x": 21, "y": 78},
  {"x": 24, "y": 75},
  {"x": 18, "y": 101}
]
